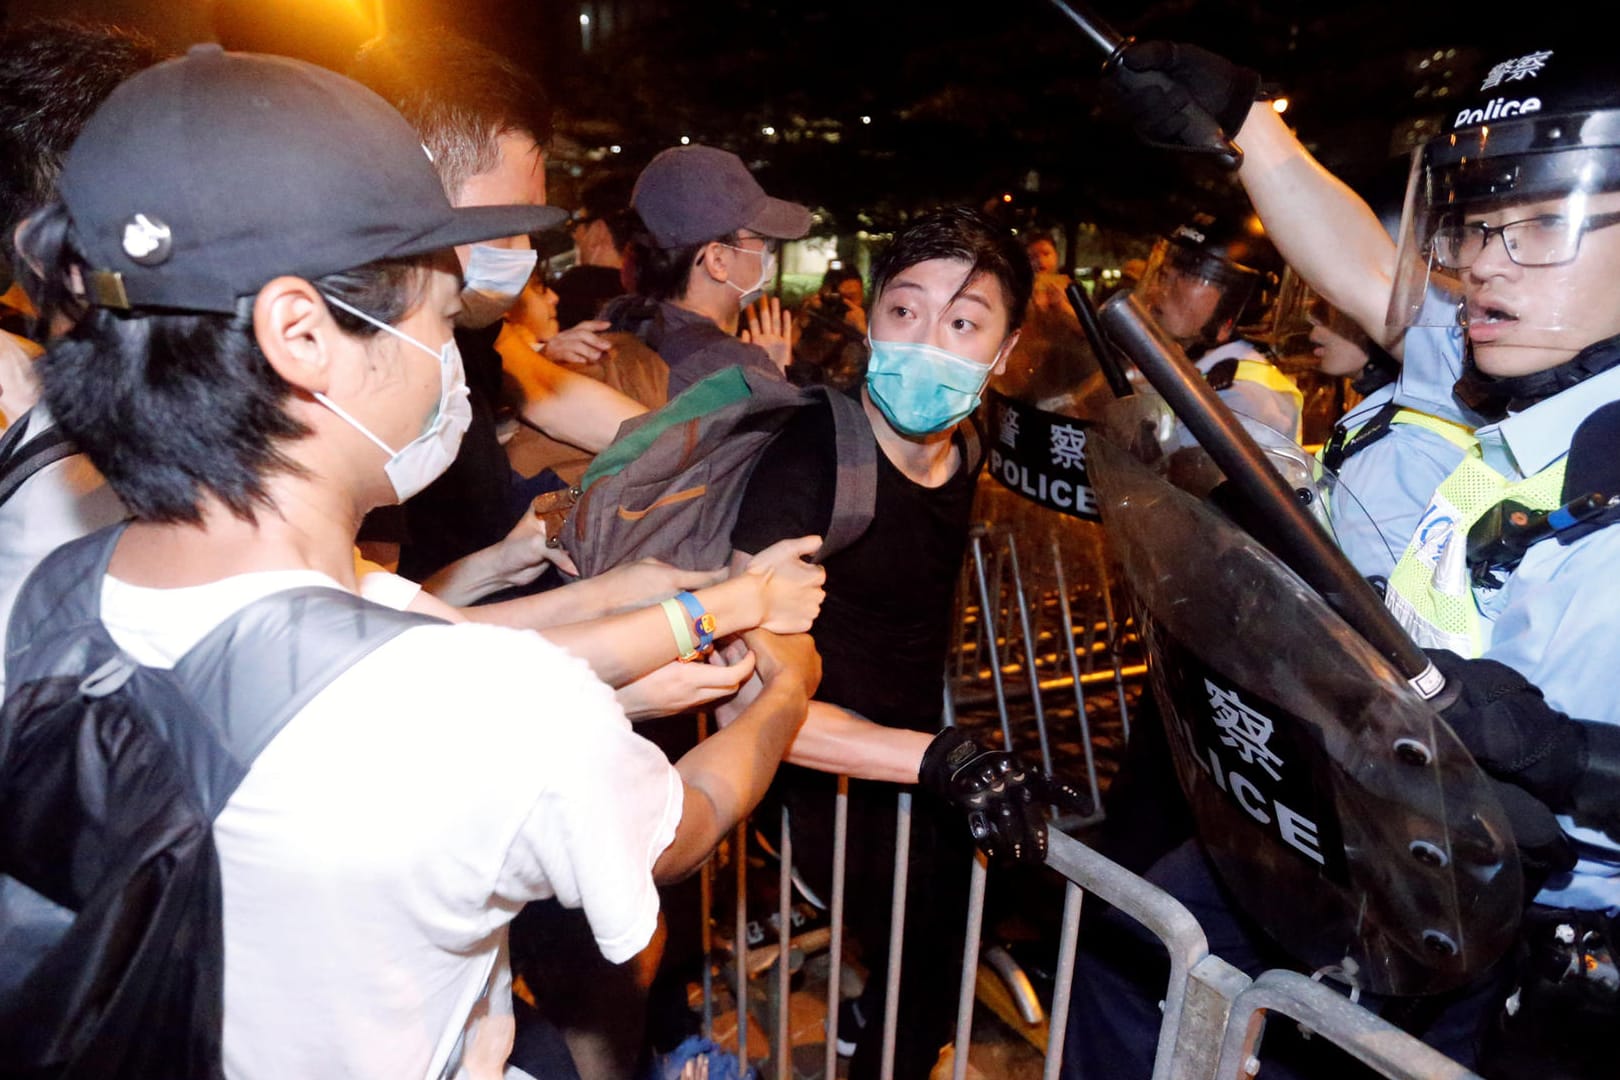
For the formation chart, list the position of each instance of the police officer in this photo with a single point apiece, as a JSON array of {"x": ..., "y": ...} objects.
[
  {"x": 1504, "y": 576},
  {"x": 1203, "y": 284},
  {"x": 1393, "y": 450}
]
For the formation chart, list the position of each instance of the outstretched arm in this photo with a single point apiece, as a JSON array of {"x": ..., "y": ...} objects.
[
  {"x": 1323, "y": 229},
  {"x": 566, "y": 405}
]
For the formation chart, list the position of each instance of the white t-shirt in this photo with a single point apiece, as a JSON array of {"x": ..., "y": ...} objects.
[{"x": 380, "y": 844}]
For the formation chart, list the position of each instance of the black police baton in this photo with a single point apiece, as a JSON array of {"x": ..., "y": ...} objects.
[
  {"x": 1202, "y": 135},
  {"x": 1296, "y": 537},
  {"x": 1106, "y": 351}
]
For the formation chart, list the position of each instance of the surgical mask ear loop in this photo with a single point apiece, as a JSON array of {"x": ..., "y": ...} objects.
[{"x": 340, "y": 410}]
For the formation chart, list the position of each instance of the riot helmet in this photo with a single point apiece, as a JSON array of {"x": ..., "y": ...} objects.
[
  {"x": 1208, "y": 278},
  {"x": 1507, "y": 229}
]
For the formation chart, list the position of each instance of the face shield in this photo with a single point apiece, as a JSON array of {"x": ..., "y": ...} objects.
[
  {"x": 1195, "y": 296},
  {"x": 1306, "y": 333},
  {"x": 1508, "y": 231}
]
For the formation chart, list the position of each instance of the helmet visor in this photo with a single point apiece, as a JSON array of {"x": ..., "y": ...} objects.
[
  {"x": 1194, "y": 296},
  {"x": 1509, "y": 231}
]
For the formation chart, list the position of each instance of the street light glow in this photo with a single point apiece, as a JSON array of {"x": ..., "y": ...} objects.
[{"x": 1279, "y": 105}]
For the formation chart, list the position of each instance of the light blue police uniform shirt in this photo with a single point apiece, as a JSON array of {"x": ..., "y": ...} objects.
[
  {"x": 1384, "y": 488},
  {"x": 1557, "y": 620}
]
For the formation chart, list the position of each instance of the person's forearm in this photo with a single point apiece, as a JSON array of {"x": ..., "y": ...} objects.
[
  {"x": 836, "y": 740},
  {"x": 469, "y": 578},
  {"x": 727, "y": 774},
  {"x": 576, "y": 409},
  {"x": 622, "y": 648},
  {"x": 1323, "y": 229}
]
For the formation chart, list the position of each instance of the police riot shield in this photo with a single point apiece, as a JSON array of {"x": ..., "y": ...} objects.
[{"x": 1342, "y": 814}]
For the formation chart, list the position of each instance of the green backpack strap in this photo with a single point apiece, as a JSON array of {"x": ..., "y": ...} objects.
[{"x": 703, "y": 397}]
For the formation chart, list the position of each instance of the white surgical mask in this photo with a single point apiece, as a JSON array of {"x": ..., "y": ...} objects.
[
  {"x": 492, "y": 281},
  {"x": 425, "y": 458},
  {"x": 767, "y": 269}
]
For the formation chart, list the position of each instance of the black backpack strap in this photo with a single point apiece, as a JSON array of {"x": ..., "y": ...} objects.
[
  {"x": 60, "y": 598},
  {"x": 246, "y": 678},
  {"x": 972, "y": 444},
  {"x": 855, "y": 488},
  {"x": 1345, "y": 443},
  {"x": 19, "y": 460},
  {"x": 257, "y": 669}
]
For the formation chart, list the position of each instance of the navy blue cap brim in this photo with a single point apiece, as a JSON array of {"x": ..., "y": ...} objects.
[{"x": 474, "y": 224}]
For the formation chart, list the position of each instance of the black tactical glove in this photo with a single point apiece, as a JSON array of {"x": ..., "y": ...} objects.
[
  {"x": 1573, "y": 766},
  {"x": 1164, "y": 86},
  {"x": 1005, "y": 801}
]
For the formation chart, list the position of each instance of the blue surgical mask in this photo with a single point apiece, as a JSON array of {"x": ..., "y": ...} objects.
[
  {"x": 922, "y": 389},
  {"x": 492, "y": 281}
]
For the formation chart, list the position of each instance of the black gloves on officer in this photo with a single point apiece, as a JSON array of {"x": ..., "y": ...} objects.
[
  {"x": 1170, "y": 92},
  {"x": 1005, "y": 801},
  {"x": 1543, "y": 762},
  {"x": 1572, "y": 766}
]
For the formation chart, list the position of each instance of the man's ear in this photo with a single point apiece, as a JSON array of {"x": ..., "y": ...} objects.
[
  {"x": 714, "y": 262},
  {"x": 294, "y": 329},
  {"x": 1006, "y": 350}
]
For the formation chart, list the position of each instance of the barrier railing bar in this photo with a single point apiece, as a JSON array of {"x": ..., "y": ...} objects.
[
  {"x": 1068, "y": 939},
  {"x": 740, "y": 944},
  {"x": 987, "y": 620},
  {"x": 835, "y": 968},
  {"x": 1113, "y": 643},
  {"x": 970, "y": 699},
  {"x": 1081, "y": 711},
  {"x": 1029, "y": 655},
  {"x": 783, "y": 1042},
  {"x": 1373, "y": 1041},
  {"x": 897, "y": 930},
  {"x": 705, "y": 927},
  {"x": 970, "y": 966},
  {"x": 1161, "y": 913}
]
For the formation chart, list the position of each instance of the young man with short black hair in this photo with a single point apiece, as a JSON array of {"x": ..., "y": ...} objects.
[{"x": 949, "y": 294}]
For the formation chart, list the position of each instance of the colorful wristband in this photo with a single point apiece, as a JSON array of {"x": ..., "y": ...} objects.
[
  {"x": 680, "y": 626},
  {"x": 702, "y": 621}
]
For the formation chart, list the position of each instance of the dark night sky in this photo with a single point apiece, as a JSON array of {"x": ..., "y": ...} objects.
[{"x": 961, "y": 108}]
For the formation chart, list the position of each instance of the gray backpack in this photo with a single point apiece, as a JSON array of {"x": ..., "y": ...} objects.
[
  {"x": 111, "y": 775},
  {"x": 670, "y": 486}
]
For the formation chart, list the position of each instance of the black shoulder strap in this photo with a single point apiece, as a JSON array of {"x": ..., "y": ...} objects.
[
  {"x": 1344, "y": 443},
  {"x": 246, "y": 678},
  {"x": 19, "y": 460},
  {"x": 257, "y": 669},
  {"x": 855, "y": 489}
]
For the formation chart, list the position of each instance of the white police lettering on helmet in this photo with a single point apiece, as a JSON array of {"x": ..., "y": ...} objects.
[{"x": 1497, "y": 109}]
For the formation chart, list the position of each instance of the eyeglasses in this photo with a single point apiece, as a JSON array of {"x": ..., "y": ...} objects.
[
  {"x": 1548, "y": 240},
  {"x": 769, "y": 242}
]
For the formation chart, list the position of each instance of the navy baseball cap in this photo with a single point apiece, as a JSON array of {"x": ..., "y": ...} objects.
[
  {"x": 693, "y": 194},
  {"x": 199, "y": 180}
]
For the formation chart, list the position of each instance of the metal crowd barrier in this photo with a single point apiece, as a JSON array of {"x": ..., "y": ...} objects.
[
  {"x": 1035, "y": 629},
  {"x": 1037, "y": 626},
  {"x": 1214, "y": 1014}
]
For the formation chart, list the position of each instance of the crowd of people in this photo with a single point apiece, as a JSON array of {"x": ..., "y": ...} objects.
[{"x": 278, "y": 332}]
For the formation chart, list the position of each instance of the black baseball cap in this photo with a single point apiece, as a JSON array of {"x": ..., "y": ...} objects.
[
  {"x": 693, "y": 194},
  {"x": 199, "y": 180}
]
